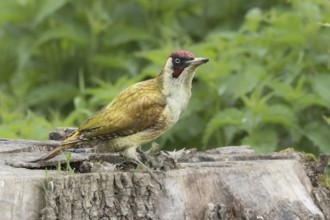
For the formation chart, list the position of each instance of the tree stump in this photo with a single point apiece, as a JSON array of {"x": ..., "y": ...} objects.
[{"x": 223, "y": 183}]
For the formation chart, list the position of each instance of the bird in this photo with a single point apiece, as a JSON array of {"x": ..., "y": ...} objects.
[{"x": 140, "y": 113}]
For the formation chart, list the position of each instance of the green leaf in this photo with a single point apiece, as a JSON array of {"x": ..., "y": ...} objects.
[
  {"x": 327, "y": 120},
  {"x": 279, "y": 114},
  {"x": 253, "y": 19},
  {"x": 126, "y": 34},
  {"x": 68, "y": 31},
  {"x": 47, "y": 8},
  {"x": 297, "y": 95},
  {"x": 229, "y": 116},
  {"x": 263, "y": 140},
  {"x": 325, "y": 24},
  {"x": 321, "y": 86},
  {"x": 241, "y": 84},
  {"x": 49, "y": 92},
  {"x": 319, "y": 134},
  {"x": 59, "y": 167}
]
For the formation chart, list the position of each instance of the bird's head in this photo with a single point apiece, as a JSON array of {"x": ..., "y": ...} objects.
[
  {"x": 183, "y": 62},
  {"x": 180, "y": 67}
]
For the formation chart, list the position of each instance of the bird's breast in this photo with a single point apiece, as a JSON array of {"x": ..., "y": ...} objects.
[{"x": 176, "y": 104}]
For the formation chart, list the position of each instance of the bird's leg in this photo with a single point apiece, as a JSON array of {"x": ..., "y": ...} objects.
[
  {"x": 145, "y": 155},
  {"x": 131, "y": 153},
  {"x": 174, "y": 156},
  {"x": 154, "y": 149},
  {"x": 150, "y": 157},
  {"x": 148, "y": 170}
]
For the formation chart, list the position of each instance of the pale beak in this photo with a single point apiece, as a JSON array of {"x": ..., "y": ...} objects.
[{"x": 197, "y": 61}]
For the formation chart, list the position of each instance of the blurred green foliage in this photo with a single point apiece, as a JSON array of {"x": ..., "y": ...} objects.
[{"x": 267, "y": 85}]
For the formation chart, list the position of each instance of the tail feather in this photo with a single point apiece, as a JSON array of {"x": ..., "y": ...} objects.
[
  {"x": 48, "y": 156},
  {"x": 52, "y": 153},
  {"x": 66, "y": 144}
]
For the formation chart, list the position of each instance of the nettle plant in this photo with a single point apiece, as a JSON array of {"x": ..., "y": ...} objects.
[
  {"x": 267, "y": 83},
  {"x": 273, "y": 82}
]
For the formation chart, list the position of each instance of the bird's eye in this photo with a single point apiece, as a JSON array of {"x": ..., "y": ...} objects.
[{"x": 177, "y": 60}]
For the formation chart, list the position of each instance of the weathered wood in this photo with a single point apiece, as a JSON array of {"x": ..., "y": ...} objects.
[{"x": 223, "y": 183}]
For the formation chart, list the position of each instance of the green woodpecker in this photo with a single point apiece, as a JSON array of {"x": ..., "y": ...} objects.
[{"x": 140, "y": 113}]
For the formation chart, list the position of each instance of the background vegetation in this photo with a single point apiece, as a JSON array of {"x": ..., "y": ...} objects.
[{"x": 267, "y": 85}]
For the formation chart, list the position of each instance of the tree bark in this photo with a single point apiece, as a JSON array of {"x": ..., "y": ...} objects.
[{"x": 223, "y": 183}]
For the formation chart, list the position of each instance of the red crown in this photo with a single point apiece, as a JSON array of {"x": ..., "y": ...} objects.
[{"x": 182, "y": 53}]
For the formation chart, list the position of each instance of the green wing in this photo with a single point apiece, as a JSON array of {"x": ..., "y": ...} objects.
[{"x": 137, "y": 108}]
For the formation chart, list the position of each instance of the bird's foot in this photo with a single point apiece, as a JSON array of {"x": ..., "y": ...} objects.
[
  {"x": 150, "y": 171},
  {"x": 172, "y": 157},
  {"x": 137, "y": 164},
  {"x": 162, "y": 160},
  {"x": 154, "y": 161},
  {"x": 128, "y": 164},
  {"x": 150, "y": 157}
]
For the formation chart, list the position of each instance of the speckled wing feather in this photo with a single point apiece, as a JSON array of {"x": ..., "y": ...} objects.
[{"x": 135, "y": 109}]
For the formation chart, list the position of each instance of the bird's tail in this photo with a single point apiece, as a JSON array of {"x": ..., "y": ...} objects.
[{"x": 66, "y": 144}]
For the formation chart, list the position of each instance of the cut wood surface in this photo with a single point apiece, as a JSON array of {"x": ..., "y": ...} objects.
[{"x": 223, "y": 183}]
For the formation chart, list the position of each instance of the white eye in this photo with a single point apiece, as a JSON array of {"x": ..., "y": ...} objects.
[{"x": 177, "y": 60}]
